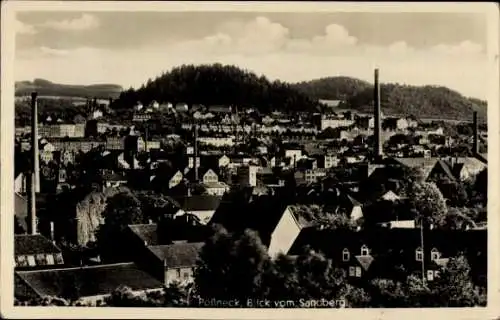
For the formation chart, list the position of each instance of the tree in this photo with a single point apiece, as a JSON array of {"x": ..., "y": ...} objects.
[
  {"x": 311, "y": 276},
  {"x": 121, "y": 210},
  {"x": 231, "y": 266},
  {"x": 427, "y": 202},
  {"x": 454, "y": 288}
]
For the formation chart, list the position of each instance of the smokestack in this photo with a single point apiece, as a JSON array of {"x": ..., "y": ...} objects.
[
  {"x": 52, "y": 236},
  {"x": 377, "y": 130},
  {"x": 195, "y": 161},
  {"x": 34, "y": 171},
  {"x": 475, "y": 146}
]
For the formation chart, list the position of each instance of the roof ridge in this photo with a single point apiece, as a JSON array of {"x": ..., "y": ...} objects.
[{"x": 78, "y": 268}]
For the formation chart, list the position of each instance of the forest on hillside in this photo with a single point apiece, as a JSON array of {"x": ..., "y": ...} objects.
[
  {"x": 218, "y": 85},
  {"x": 422, "y": 101}
]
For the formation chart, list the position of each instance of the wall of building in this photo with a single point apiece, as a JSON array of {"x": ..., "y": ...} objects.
[{"x": 284, "y": 235}]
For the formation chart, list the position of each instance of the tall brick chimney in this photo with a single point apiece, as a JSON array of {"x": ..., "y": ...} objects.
[
  {"x": 377, "y": 117},
  {"x": 475, "y": 147},
  {"x": 195, "y": 160},
  {"x": 34, "y": 171}
]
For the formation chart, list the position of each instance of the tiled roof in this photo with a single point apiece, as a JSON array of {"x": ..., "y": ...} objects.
[
  {"x": 88, "y": 281},
  {"x": 426, "y": 164},
  {"x": 199, "y": 202},
  {"x": 33, "y": 244},
  {"x": 178, "y": 254},
  {"x": 146, "y": 232}
]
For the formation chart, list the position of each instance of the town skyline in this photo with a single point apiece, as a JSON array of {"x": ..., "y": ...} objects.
[{"x": 446, "y": 50}]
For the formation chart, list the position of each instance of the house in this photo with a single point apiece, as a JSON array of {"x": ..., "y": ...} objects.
[
  {"x": 178, "y": 261},
  {"x": 220, "y": 109},
  {"x": 396, "y": 252},
  {"x": 329, "y": 122},
  {"x": 113, "y": 180},
  {"x": 36, "y": 251},
  {"x": 88, "y": 285},
  {"x": 216, "y": 188},
  {"x": 309, "y": 175},
  {"x": 294, "y": 155},
  {"x": 395, "y": 124},
  {"x": 201, "y": 206},
  {"x": 205, "y": 175},
  {"x": 341, "y": 201},
  {"x": 286, "y": 231},
  {"x": 467, "y": 167},
  {"x": 181, "y": 107}
]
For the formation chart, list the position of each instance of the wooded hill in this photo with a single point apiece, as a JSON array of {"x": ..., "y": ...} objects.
[
  {"x": 421, "y": 101},
  {"x": 218, "y": 85}
]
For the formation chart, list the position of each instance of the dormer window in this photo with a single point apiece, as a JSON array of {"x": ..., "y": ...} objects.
[
  {"x": 345, "y": 255},
  {"x": 365, "y": 251},
  {"x": 419, "y": 254},
  {"x": 435, "y": 254}
]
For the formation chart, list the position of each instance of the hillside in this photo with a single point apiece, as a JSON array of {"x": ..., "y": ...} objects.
[
  {"x": 332, "y": 88},
  {"x": 421, "y": 101},
  {"x": 218, "y": 84},
  {"x": 47, "y": 88}
]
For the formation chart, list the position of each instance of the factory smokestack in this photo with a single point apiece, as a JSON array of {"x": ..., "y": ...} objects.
[
  {"x": 34, "y": 171},
  {"x": 377, "y": 117},
  {"x": 475, "y": 146},
  {"x": 195, "y": 161}
]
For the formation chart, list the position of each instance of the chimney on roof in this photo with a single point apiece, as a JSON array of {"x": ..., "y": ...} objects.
[
  {"x": 475, "y": 147},
  {"x": 377, "y": 117},
  {"x": 34, "y": 171}
]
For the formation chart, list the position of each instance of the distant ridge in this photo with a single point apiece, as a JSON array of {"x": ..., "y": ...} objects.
[{"x": 47, "y": 88}]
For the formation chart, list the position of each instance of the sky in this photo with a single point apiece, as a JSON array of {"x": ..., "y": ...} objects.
[{"x": 127, "y": 48}]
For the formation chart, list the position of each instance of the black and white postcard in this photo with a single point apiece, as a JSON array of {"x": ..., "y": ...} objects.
[{"x": 249, "y": 160}]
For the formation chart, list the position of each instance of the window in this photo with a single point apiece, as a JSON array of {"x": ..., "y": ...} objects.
[
  {"x": 365, "y": 251},
  {"x": 419, "y": 254},
  {"x": 435, "y": 254},
  {"x": 49, "y": 258},
  {"x": 21, "y": 261},
  {"x": 40, "y": 259},
  {"x": 437, "y": 274},
  {"x": 358, "y": 272},
  {"x": 31, "y": 261},
  {"x": 59, "y": 258},
  {"x": 345, "y": 255},
  {"x": 185, "y": 275},
  {"x": 352, "y": 271},
  {"x": 430, "y": 275}
]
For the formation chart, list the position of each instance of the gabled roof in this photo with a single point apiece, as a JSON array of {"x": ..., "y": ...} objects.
[
  {"x": 27, "y": 244},
  {"x": 425, "y": 164},
  {"x": 178, "y": 255},
  {"x": 445, "y": 168},
  {"x": 199, "y": 202},
  {"x": 88, "y": 281},
  {"x": 365, "y": 261},
  {"x": 146, "y": 232}
]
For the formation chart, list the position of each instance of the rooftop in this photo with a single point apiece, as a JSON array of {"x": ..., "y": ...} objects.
[
  {"x": 88, "y": 281},
  {"x": 27, "y": 244},
  {"x": 178, "y": 254}
]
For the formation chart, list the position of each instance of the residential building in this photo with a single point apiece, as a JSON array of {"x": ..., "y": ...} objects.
[
  {"x": 34, "y": 251},
  {"x": 88, "y": 284}
]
